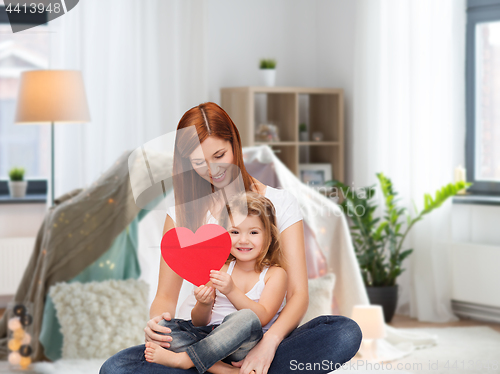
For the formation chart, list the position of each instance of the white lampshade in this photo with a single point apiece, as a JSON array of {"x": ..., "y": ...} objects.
[
  {"x": 370, "y": 319},
  {"x": 52, "y": 96}
]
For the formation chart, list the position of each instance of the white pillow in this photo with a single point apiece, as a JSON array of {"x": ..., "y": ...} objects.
[
  {"x": 320, "y": 297},
  {"x": 99, "y": 319}
]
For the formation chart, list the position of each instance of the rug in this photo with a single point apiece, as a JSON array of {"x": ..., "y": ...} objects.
[{"x": 461, "y": 350}]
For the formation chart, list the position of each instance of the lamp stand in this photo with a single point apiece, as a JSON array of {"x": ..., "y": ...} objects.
[{"x": 52, "y": 171}]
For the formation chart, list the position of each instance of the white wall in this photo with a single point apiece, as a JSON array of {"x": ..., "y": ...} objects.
[
  {"x": 335, "y": 41},
  {"x": 241, "y": 33},
  {"x": 312, "y": 41}
]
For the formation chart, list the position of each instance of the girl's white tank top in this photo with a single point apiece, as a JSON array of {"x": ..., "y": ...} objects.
[{"x": 223, "y": 306}]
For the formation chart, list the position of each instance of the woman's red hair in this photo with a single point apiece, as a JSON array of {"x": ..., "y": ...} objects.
[{"x": 208, "y": 119}]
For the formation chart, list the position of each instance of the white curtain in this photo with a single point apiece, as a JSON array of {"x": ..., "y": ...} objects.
[
  {"x": 143, "y": 63},
  {"x": 409, "y": 123}
]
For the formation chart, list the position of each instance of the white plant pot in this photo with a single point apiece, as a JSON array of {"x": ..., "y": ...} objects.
[
  {"x": 18, "y": 188},
  {"x": 268, "y": 77}
]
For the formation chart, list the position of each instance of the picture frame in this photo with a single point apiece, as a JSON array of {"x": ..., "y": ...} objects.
[{"x": 315, "y": 174}]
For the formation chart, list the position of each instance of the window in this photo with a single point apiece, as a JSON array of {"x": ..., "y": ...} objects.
[
  {"x": 483, "y": 96},
  {"x": 25, "y": 146}
]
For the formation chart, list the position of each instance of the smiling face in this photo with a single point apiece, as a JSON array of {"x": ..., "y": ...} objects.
[
  {"x": 212, "y": 160},
  {"x": 248, "y": 238}
]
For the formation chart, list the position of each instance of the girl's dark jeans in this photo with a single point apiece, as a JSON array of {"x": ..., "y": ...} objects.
[
  {"x": 322, "y": 344},
  {"x": 238, "y": 333}
]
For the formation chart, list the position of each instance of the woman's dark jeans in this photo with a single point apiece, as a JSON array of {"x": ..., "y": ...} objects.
[{"x": 322, "y": 344}]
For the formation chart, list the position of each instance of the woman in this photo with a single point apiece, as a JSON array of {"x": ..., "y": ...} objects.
[{"x": 207, "y": 157}]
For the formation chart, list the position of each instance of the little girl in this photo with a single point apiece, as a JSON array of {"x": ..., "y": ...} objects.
[{"x": 247, "y": 293}]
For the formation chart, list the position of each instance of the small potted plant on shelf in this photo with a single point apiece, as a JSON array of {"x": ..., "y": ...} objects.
[
  {"x": 303, "y": 132},
  {"x": 268, "y": 72},
  {"x": 378, "y": 241},
  {"x": 17, "y": 184}
]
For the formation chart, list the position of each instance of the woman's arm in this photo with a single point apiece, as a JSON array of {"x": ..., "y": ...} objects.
[
  {"x": 270, "y": 300},
  {"x": 165, "y": 301},
  {"x": 297, "y": 297},
  {"x": 261, "y": 356}
]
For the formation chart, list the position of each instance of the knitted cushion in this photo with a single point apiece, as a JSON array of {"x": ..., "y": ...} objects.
[
  {"x": 320, "y": 297},
  {"x": 99, "y": 319}
]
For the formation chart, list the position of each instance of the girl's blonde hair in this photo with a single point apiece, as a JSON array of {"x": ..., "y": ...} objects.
[{"x": 254, "y": 204}]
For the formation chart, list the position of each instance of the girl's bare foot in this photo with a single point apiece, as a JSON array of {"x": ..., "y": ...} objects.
[
  {"x": 223, "y": 368},
  {"x": 159, "y": 355}
]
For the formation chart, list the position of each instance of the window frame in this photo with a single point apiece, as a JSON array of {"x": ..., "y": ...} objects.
[
  {"x": 37, "y": 188},
  {"x": 478, "y": 11}
]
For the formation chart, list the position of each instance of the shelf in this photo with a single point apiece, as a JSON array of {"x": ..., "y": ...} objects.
[
  {"x": 285, "y": 107},
  {"x": 284, "y": 89},
  {"x": 275, "y": 143},
  {"x": 318, "y": 143}
]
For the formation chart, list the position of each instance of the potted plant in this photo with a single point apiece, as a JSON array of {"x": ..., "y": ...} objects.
[
  {"x": 268, "y": 72},
  {"x": 378, "y": 241},
  {"x": 17, "y": 184},
  {"x": 303, "y": 132}
]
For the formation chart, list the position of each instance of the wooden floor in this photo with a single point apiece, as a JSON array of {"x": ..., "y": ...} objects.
[{"x": 406, "y": 322}]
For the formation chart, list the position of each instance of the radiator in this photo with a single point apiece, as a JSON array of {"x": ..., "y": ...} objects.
[
  {"x": 14, "y": 256},
  {"x": 475, "y": 280}
]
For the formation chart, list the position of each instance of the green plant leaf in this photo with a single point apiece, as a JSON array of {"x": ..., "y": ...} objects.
[{"x": 16, "y": 174}]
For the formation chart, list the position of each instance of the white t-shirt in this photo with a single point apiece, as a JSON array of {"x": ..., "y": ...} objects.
[
  {"x": 287, "y": 213},
  {"x": 286, "y": 205}
]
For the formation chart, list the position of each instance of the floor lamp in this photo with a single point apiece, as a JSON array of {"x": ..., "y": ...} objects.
[{"x": 51, "y": 96}]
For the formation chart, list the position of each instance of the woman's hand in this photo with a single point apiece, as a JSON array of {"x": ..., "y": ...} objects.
[
  {"x": 222, "y": 281},
  {"x": 153, "y": 327},
  {"x": 259, "y": 359},
  {"x": 205, "y": 295}
]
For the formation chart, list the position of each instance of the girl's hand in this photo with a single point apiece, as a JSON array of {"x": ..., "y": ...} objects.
[
  {"x": 259, "y": 359},
  {"x": 204, "y": 295},
  {"x": 222, "y": 281},
  {"x": 153, "y": 328}
]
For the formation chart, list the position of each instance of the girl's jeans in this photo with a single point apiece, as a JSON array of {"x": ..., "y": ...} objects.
[
  {"x": 318, "y": 346},
  {"x": 238, "y": 333}
]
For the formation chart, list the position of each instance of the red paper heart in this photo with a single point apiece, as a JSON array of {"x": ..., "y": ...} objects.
[{"x": 192, "y": 256}]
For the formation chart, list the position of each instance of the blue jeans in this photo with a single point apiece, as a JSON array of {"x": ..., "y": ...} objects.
[
  {"x": 327, "y": 341},
  {"x": 238, "y": 333}
]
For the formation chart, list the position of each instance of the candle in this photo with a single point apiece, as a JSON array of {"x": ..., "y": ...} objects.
[{"x": 460, "y": 177}]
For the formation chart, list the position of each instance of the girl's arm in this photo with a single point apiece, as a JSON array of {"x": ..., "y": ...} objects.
[
  {"x": 270, "y": 300},
  {"x": 202, "y": 311}
]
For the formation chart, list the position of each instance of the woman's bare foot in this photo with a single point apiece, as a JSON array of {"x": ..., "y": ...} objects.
[{"x": 159, "y": 355}]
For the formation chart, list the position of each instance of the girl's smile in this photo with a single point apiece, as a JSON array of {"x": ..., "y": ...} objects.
[{"x": 247, "y": 238}]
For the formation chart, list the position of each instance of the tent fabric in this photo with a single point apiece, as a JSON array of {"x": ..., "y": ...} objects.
[
  {"x": 76, "y": 231},
  {"x": 118, "y": 262}
]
